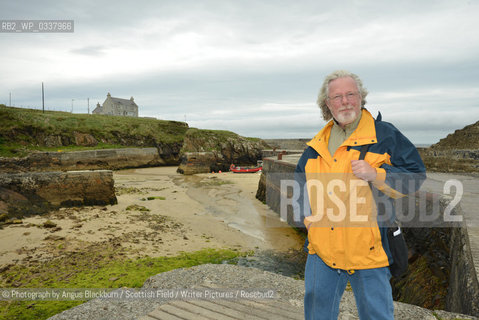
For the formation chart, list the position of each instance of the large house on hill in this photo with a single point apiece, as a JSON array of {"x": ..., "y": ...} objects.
[{"x": 117, "y": 107}]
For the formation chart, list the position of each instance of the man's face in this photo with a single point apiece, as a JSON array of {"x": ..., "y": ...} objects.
[{"x": 344, "y": 100}]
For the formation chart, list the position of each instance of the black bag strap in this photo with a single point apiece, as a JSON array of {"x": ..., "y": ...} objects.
[
  {"x": 397, "y": 244},
  {"x": 364, "y": 150},
  {"x": 362, "y": 155}
]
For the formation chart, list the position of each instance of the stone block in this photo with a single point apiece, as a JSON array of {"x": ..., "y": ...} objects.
[
  {"x": 37, "y": 192},
  {"x": 197, "y": 162}
]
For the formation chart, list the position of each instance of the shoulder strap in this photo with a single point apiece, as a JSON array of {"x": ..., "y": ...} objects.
[{"x": 364, "y": 150}]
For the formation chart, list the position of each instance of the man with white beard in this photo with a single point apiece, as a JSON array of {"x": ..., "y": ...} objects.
[{"x": 343, "y": 250}]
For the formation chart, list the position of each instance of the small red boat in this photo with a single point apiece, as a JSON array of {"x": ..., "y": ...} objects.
[{"x": 236, "y": 169}]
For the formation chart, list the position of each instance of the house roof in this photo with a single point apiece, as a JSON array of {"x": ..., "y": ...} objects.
[
  {"x": 125, "y": 102},
  {"x": 98, "y": 109}
]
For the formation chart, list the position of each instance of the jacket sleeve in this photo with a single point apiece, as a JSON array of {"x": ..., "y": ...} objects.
[
  {"x": 301, "y": 207},
  {"x": 407, "y": 172}
]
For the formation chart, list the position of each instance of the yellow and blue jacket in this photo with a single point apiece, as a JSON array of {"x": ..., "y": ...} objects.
[{"x": 346, "y": 217}]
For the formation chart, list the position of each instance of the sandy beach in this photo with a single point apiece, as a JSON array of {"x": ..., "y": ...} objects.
[{"x": 159, "y": 213}]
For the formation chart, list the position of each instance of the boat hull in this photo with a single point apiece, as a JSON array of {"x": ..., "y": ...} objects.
[{"x": 245, "y": 169}]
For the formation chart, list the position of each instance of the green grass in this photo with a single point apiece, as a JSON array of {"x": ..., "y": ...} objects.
[
  {"x": 92, "y": 269},
  {"x": 208, "y": 140},
  {"x": 203, "y": 140},
  {"x": 11, "y": 149},
  {"x": 439, "y": 318},
  {"x": 215, "y": 182},
  {"x": 135, "y": 207},
  {"x": 78, "y": 148},
  {"x": 153, "y": 198},
  {"x": 18, "y": 150},
  {"x": 23, "y": 130}
]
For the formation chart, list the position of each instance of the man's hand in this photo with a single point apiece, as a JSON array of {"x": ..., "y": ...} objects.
[{"x": 363, "y": 170}]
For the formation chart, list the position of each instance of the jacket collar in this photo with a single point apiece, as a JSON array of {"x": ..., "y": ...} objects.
[{"x": 365, "y": 133}]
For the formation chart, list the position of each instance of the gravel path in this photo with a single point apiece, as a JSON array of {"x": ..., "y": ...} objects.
[{"x": 288, "y": 291}]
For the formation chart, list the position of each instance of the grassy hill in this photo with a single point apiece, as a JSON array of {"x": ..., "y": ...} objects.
[{"x": 23, "y": 131}]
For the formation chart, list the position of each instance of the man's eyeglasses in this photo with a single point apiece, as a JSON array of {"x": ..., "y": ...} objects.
[{"x": 350, "y": 96}]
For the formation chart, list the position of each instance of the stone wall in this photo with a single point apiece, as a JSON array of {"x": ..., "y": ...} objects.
[
  {"x": 440, "y": 261},
  {"x": 269, "y": 186},
  {"x": 37, "y": 192},
  {"x": 463, "y": 293},
  {"x": 450, "y": 160}
]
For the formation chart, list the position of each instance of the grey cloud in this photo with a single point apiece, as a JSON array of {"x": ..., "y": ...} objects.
[
  {"x": 90, "y": 50},
  {"x": 253, "y": 56}
]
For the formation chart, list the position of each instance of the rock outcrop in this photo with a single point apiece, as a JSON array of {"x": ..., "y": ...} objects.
[
  {"x": 458, "y": 152},
  {"x": 214, "y": 150},
  {"x": 84, "y": 139},
  {"x": 466, "y": 138},
  {"x": 198, "y": 162},
  {"x": 24, "y": 194}
]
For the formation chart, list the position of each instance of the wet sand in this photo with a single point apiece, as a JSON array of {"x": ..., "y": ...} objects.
[{"x": 159, "y": 213}]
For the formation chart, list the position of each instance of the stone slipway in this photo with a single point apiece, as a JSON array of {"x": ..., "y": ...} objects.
[{"x": 286, "y": 304}]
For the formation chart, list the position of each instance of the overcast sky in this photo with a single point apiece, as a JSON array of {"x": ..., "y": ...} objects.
[{"x": 252, "y": 67}]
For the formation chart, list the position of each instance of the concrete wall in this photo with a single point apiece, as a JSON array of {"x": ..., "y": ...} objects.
[
  {"x": 112, "y": 159},
  {"x": 288, "y": 144},
  {"x": 274, "y": 153}
]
